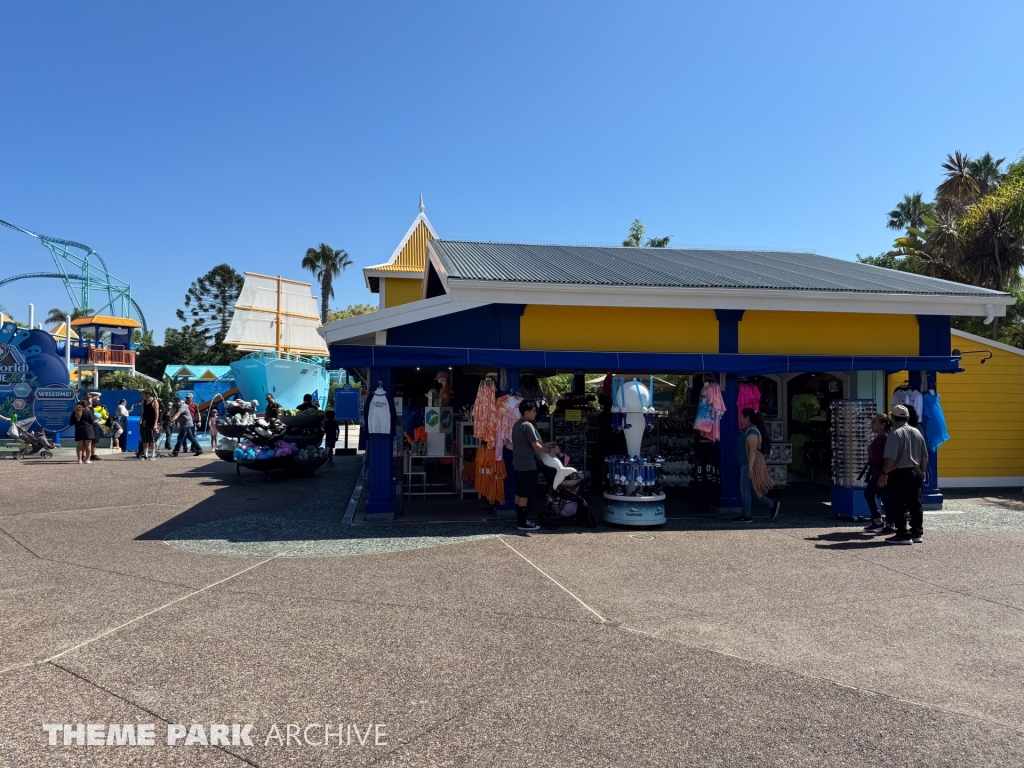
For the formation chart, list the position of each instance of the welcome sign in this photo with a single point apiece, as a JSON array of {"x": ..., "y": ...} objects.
[{"x": 34, "y": 381}]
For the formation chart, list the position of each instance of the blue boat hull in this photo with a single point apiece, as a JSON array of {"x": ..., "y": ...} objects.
[{"x": 287, "y": 380}]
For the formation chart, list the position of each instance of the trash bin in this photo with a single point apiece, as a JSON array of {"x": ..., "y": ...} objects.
[{"x": 131, "y": 436}]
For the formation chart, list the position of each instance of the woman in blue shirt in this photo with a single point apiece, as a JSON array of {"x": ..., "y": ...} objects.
[{"x": 748, "y": 449}]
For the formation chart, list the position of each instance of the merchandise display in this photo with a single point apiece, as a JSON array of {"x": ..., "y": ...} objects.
[
  {"x": 749, "y": 397},
  {"x": 935, "y": 433},
  {"x": 710, "y": 409},
  {"x": 851, "y": 435}
]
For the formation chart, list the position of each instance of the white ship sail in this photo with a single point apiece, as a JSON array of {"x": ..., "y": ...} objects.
[{"x": 276, "y": 314}]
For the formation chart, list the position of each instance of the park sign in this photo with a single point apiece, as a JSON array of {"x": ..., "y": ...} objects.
[
  {"x": 52, "y": 406},
  {"x": 30, "y": 365}
]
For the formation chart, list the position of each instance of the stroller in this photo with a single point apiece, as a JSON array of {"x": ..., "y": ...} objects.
[
  {"x": 31, "y": 443},
  {"x": 565, "y": 504}
]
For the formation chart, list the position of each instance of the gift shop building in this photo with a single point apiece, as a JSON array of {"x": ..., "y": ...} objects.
[{"x": 809, "y": 337}]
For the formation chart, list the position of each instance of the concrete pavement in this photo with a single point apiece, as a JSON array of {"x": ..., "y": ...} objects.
[{"x": 175, "y": 592}]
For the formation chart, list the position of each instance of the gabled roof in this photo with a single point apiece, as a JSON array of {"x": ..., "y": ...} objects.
[
  {"x": 61, "y": 332},
  {"x": 196, "y": 372},
  {"x": 677, "y": 268},
  {"x": 410, "y": 255}
]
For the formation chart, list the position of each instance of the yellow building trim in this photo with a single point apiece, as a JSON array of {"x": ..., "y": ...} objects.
[
  {"x": 413, "y": 256},
  {"x": 400, "y": 290},
  {"x": 764, "y": 332},
  {"x": 984, "y": 411},
  {"x": 613, "y": 329}
]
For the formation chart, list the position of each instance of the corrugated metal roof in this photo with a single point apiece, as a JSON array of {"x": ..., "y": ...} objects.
[{"x": 681, "y": 268}]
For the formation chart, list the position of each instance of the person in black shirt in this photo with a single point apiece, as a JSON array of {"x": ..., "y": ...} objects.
[
  {"x": 330, "y": 435},
  {"x": 273, "y": 408},
  {"x": 307, "y": 404}
]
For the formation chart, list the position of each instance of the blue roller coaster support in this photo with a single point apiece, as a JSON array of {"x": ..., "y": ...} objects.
[{"x": 82, "y": 277}]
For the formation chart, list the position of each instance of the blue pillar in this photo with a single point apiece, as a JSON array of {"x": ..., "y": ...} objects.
[
  {"x": 933, "y": 339},
  {"x": 729, "y": 343},
  {"x": 730, "y": 470},
  {"x": 380, "y": 501}
]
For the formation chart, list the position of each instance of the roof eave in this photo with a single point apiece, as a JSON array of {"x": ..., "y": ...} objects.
[{"x": 727, "y": 298}]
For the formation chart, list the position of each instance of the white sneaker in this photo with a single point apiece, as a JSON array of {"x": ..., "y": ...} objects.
[{"x": 528, "y": 527}]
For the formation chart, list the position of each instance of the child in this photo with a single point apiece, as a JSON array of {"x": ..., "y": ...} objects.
[
  {"x": 115, "y": 433},
  {"x": 330, "y": 435}
]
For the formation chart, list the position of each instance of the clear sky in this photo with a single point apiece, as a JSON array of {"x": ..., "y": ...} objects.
[{"x": 175, "y": 136}]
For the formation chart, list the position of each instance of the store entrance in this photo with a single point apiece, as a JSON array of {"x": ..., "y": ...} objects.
[{"x": 808, "y": 397}]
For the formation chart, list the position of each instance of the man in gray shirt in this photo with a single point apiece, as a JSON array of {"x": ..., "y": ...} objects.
[
  {"x": 906, "y": 461},
  {"x": 525, "y": 442}
]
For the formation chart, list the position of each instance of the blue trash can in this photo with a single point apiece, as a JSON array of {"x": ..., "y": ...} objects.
[{"x": 132, "y": 434}]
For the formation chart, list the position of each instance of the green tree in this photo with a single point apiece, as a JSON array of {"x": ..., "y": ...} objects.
[
  {"x": 352, "y": 310},
  {"x": 210, "y": 302},
  {"x": 908, "y": 212},
  {"x": 326, "y": 263},
  {"x": 985, "y": 171},
  {"x": 57, "y": 315},
  {"x": 959, "y": 191},
  {"x": 636, "y": 237}
]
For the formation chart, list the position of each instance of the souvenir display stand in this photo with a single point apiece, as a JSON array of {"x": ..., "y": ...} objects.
[
  {"x": 851, "y": 435},
  {"x": 635, "y": 496}
]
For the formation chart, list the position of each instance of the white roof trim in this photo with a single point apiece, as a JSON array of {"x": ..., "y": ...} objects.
[
  {"x": 376, "y": 271},
  {"x": 502, "y": 292},
  {"x": 343, "y": 331},
  {"x": 987, "y": 342},
  {"x": 442, "y": 273}
]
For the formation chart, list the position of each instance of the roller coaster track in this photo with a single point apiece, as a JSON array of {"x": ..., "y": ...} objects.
[{"x": 81, "y": 277}]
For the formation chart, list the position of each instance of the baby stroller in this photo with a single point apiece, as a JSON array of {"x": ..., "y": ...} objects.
[
  {"x": 565, "y": 504},
  {"x": 31, "y": 443}
]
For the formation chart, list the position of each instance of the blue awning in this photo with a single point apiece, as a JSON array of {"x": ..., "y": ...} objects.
[{"x": 351, "y": 356}]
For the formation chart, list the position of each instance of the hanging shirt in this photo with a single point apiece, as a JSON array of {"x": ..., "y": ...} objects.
[
  {"x": 749, "y": 397},
  {"x": 508, "y": 415},
  {"x": 378, "y": 414},
  {"x": 485, "y": 412},
  {"x": 935, "y": 433},
  {"x": 709, "y": 411},
  {"x": 909, "y": 397}
]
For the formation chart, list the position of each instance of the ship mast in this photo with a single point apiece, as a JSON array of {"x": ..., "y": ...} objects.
[{"x": 278, "y": 324}]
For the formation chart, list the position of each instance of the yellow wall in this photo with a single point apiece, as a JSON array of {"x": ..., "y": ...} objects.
[
  {"x": 400, "y": 290},
  {"x": 827, "y": 333},
  {"x": 615, "y": 329},
  {"x": 984, "y": 409}
]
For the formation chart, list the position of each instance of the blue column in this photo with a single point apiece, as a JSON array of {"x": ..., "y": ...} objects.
[
  {"x": 380, "y": 500},
  {"x": 933, "y": 339},
  {"x": 729, "y": 343},
  {"x": 730, "y": 470}
]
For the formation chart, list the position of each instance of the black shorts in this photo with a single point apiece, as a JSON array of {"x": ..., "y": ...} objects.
[
  {"x": 147, "y": 435},
  {"x": 526, "y": 483}
]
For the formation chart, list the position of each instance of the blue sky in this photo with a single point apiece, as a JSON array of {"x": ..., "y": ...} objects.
[{"x": 173, "y": 137}]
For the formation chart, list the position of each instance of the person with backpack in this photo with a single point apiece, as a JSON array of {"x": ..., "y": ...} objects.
[{"x": 752, "y": 445}]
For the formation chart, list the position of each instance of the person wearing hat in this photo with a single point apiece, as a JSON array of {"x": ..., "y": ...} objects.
[{"x": 906, "y": 461}]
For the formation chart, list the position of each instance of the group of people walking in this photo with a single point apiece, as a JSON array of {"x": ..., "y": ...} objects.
[{"x": 181, "y": 415}]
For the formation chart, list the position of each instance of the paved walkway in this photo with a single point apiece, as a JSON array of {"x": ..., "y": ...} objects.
[{"x": 175, "y": 592}]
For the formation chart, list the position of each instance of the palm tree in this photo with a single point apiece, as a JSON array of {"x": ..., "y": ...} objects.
[
  {"x": 636, "y": 237},
  {"x": 959, "y": 190},
  {"x": 985, "y": 171},
  {"x": 58, "y": 315},
  {"x": 325, "y": 263},
  {"x": 996, "y": 255},
  {"x": 909, "y": 211}
]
